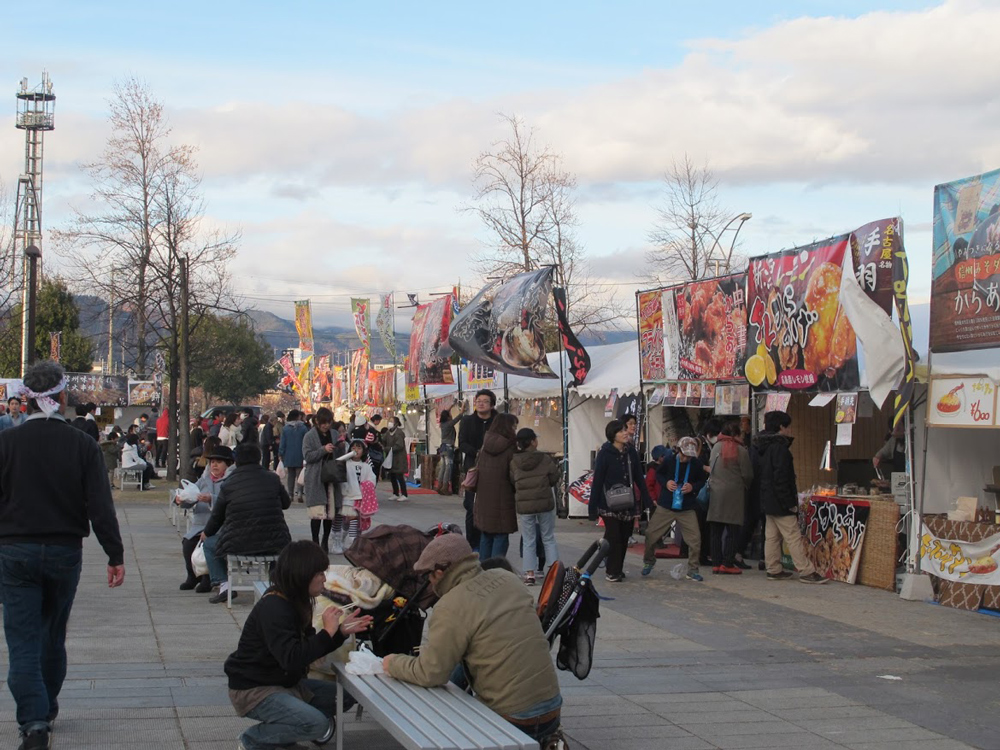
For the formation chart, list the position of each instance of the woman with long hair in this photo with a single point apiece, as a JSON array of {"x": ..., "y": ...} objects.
[
  {"x": 730, "y": 476},
  {"x": 267, "y": 672},
  {"x": 321, "y": 447},
  {"x": 493, "y": 510},
  {"x": 229, "y": 433}
]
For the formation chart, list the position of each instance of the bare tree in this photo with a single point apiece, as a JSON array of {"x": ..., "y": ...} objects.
[
  {"x": 524, "y": 197},
  {"x": 689, "y": 223}
]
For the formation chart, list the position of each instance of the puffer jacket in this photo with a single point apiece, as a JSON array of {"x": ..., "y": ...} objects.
[
  {"x": 779, "y": 495},
  {"x": 533, "y": 475},
  {"x": 610, "y": 468},
  {"x": 486, "y": 619},
  {"x": 493, "y": 509},
  {"x": 248, "y": 514}
]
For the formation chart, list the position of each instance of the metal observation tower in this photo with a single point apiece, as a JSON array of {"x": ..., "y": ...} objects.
[{"x": 35, "y": 116}]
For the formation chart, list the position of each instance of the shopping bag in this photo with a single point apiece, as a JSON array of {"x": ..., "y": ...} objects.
[
  {"x": 281, "y": 471},
  {"x": 363, "y": 661},
  {"x": 188, "y": 493},
  {"x": 388, "y": 460},
  {"x": 198, "y": 562}
]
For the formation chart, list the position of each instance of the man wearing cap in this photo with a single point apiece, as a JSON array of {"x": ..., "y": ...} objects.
[
  {"x": 486, "y": 621},
  {"x": 53, "y": 488},
  {"x": 681, "y": 472}
]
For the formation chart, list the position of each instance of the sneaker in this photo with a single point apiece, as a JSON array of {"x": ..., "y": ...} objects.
[
  {"x": 529, "y": 579},
  {"x": 730, "y": 570},
  {"x": 222, "y": 596},
  {"x": 694, "y": 575},
  {"x": 37, "y": 739},
  {"x": 812, "y": 578},
  {"x": 784, "y": 575},
  {"x": 614, "y": 579},
  {"x": 394, "y": 497},
  {"x": 320, "y": 741},
  {"x": 647, "y": 568},
  {"x": 402, "y": 498},
  {"x": 148, "y": 487}
]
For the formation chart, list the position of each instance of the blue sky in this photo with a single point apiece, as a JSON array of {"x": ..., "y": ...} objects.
[{"x": 339, "y": 139}]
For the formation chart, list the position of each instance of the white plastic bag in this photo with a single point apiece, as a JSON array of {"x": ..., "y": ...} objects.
[
  {"x": 363, "y": 661},
  {"x": 387, "y": 462},
  {"x": 188, "y": 493},
  {"x": 198, "y": 562},
  {"x": 281, "y": 471},
  {"x": 300, "y": 480}
]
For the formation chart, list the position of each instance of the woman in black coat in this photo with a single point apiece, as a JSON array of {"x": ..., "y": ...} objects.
[{"x": 617, "y": 463}]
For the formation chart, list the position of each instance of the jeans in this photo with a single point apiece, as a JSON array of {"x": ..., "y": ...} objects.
[
  {"x": 285, "y": 720},
  {"x": 471, "y": 532},
  {"x": 528, "y": 524},
  {"x": 39, "y": 583},
  {"x": 493, "y": 545},
  {"x": 217, "y": 568},
  {"x": 445, "y": 464}
]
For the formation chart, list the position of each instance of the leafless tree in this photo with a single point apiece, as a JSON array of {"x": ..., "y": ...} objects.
[
  {"x": 524, "y": 197},
  {"x": 689, "y": 222}
]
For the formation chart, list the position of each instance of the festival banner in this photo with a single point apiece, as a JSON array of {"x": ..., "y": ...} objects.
[
  {"x": 503, "y": 325},
  {"x": 799, "y": 336},
  {"x": 143, "y": 393},
  {"x": 303, "y": 324},
  {"x": 900, "y": 282},
  {"x": 305, "y": 384},
  {"x": 291, "y": 378},
  {"x": 579, "y": 359},
  {"x": 358, "y": 386},
  {"x": 103, "y": 390},
  {"x": 834, "y": 533},
  {"x": 963, "y": 562},
  {"x": 385, "y": 325},
  {"x": 962, "y": 401},
  {"x": 361, "y": 310},
  {"x": 380, "y": 388},
  {"x": 873, "y": 247},
  {"x": 965, "y": 283},
  {"x": 479, "y": 376},
  {"x": 671, "y": 335},
  {"x": 322, "y": 387},
  {"x": 430, "y": 357},
  {"x": 55, "y": 345},
  {"x": 712, "y": 328},
  {"x": 579, "y": 488},
  {"x": 651, "y": 364},
  {"x": 337, "y": 388}
]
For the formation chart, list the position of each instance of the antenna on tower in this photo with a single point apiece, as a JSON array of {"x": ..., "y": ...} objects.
[{"x": 35, "y": 116}]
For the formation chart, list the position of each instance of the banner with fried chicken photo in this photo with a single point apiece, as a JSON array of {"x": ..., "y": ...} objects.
[
  {"x": 711, "y": 328},
  {"x": 798, "y": 334}
]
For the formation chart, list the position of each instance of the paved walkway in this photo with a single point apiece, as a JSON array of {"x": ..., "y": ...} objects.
[{"x": 736, "y": 662}]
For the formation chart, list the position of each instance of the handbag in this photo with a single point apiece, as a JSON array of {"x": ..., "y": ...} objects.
[
  {"x": 471, "y": 478},
  {"x": 618, "y": 497},
  {"x": 678, "y": 501},
  {"x": 331, "y": 470}
]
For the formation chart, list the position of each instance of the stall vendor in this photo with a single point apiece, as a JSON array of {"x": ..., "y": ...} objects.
[{"x": 892, "y": 455}]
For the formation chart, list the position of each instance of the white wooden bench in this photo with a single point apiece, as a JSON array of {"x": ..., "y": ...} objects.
[
  {"x": 129, "y": 476},
  {"x": 244, "y": 572},
  {"x": 441, "y": 718}
]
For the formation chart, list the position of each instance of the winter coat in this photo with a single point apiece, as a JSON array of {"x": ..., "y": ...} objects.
[
  {"x": 130, "y": 457},
  {"x": 696, "y": 478},
  {"x": 611, "y": 468},
  {"x": 314, "y": 453},
  {"x": 230, "y": 436},
  {"x": 248, "y": 429},
  {"x": 486, "y": 620},
  {"x": 395, "y": 441},
  {"x": 728, "y": 484},
  {"x": 357, "y": 472},
  {"x": 533, "y": 475},
  {"x": 291, "y": 444},
  {"x": 471, "y": 433},
  {"x": 88, "y": 426},
  {"x": 493, "y": 510},
  {"x": 201, "y": 511},
  {"x": 163, "y": 425},
  {"x": 779, "y": 495},
  {"x": 248, "y": 514}
]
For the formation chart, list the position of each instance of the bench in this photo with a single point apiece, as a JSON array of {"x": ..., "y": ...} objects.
[
  {"x": 128, "y": 476},
  {"x": 245, "y": 571},
  {"x": 419, "y": 718}
]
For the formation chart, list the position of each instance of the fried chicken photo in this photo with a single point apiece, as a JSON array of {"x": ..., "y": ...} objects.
[{"x": 831, "y": 341}]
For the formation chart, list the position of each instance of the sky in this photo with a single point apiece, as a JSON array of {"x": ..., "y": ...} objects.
[{"x": 339, "y": 138}]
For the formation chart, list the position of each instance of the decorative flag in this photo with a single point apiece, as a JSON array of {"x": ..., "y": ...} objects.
[
  {"x": 385, "y": 325},
  {"x": 291, "y": 379},
  {"x": 361, "y": 309},
  {"x": 55, "y": 345},
  {"x": 579, "y": 360},
  {"x": 412, "y": 298},
  {"x": 502, "y": 325},
  {"x": 338, "y": 385},
  {"x": 358, "y": 387},
  {"x": 303, "y": 324},
  {"x": 430, "y": 356},
  {"x": 322, "y": 387},
  {"x": 305, "y": 384},
  {"x": 900, "y": 279}
]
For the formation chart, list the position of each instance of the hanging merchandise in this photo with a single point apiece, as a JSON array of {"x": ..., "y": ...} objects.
[
  {"x": 384, "y": 324},
  {"x": 430, "y": 357},
  {"x": 503, "y": 325},
  {"x": 361, "y": 310},
  {"x": 579, "y": 360}
]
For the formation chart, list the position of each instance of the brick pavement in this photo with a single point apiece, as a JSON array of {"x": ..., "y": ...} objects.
[{"x": 731, "y": 663}]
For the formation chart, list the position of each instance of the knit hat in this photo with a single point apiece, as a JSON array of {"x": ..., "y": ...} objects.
[
  {"x": 443, "y": 552},
  {"x": 659, "y": 452}
]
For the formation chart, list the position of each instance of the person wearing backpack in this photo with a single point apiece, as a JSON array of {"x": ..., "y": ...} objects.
[{"x": 533, "y": 475}]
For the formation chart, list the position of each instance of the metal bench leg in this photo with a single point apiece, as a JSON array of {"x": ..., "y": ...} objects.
[{"x": 339, "y": 729}]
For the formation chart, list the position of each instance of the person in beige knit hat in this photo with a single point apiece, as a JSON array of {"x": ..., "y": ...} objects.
[{"x": 485, "y": 621}]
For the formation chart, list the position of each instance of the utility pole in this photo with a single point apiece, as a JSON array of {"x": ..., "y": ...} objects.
[{"x": 184, "y": 402}]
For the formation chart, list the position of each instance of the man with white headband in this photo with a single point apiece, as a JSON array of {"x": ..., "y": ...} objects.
[{"x": 53, "y": 488}]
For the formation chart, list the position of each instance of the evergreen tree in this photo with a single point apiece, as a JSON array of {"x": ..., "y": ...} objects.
[
  {"x": 55, "y": 310},
  {"x": 230, "y": 360}
]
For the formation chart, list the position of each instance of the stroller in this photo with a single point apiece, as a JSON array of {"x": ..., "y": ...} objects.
[{"x": 569, "y": 607}]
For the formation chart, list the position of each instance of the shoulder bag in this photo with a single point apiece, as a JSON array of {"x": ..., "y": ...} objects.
[{"x": 618, "y": 497}]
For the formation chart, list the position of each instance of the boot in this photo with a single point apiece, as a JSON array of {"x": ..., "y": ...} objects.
[
  {"x": 325, "y": 545},
  {"x": 189, "y": 584},
  {"x": 204, "y": 585}
]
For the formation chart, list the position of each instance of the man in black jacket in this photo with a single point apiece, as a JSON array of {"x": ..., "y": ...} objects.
[
  {"x": 247, "y": 518},
  {"x": 85, "y": 421},
  {"x": 779, "y": 499},
  {"x": 53, "y": 488},
  {"x": 471, "y": 433}
]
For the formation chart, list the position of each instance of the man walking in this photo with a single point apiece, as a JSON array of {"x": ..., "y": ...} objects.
[
  {"x": 53, "y": 488},
  {"x": 290, "y": 451},
  {"x": 471, "y": 432},
  {"x": 779, "y": 499}
]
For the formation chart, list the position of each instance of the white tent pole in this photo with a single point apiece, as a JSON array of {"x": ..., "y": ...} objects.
[{"x": 919, "y": 521}]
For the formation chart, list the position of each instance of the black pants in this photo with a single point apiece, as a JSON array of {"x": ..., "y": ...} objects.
[
  {"x": 161, "y": 452},
  {"x": 398, "y": 482},
  {"x": 265, "y": 456},
  {"x": 471, "y": 532},
  {"x": 148, "y": 473},
  {"x": 753, "y": 516},
  {"x": 617, "y": 532},
  {"x": 724, "y": 536},
  {"x": 187, "y": 547},
  {"x": 702, "y": 514}
]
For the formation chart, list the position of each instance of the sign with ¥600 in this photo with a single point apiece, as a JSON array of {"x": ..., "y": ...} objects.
[{"x": 962, "y": 401}]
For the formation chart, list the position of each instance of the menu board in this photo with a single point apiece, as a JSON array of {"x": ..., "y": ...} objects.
[{"x": 962, "y": 401}]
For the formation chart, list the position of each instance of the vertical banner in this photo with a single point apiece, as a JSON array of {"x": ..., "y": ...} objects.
[
  {"x": 384, "y": 324},
  {"x": 359, "y": 378},
  {"x": 291, "y": 378},
  {"x": 430, "y": 355},
  {"x": 322, "y": 381},
  {"x": 579, "y": 360},
  {"x": 361, "y": 310},
  {"x": 55, "y": 345},
  {"x": 671, "y": 335},
  {"x": 380, "y": 388},
  {"x": 337, "y": 389},
  {"x": 651, "y": 364},
  {"x": 873, "y": 247},
  {"x": 965, "y": 283},
  {"x": 900, "y": 282},
  {"x": 303, "y": 324},
  {"x": 305, "y": 384}
]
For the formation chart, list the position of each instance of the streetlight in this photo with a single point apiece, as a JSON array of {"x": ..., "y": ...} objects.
[
  {"x": 727, "y": 257},
  {"x": 32, "y": 255}
]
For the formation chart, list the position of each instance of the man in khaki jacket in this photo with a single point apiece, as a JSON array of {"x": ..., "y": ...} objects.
[{"x": 486, "y": 620}]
